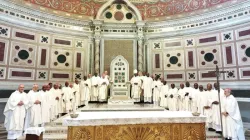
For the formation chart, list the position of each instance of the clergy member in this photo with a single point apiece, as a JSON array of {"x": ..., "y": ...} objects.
[
  {"x": 67, "y": 97},
  {"x": 233, "y": 125},
  {"x": 136, "y": 87},
  {"x": 14, "y": 113},
  {"x": 46, "y": 105},
  {"x": 103, "y": 84},
  {"x": 207, "y": 107},
  {"x": 34, "y": 112},
  {"x": 58, "y": 101},
  {"x": 187, "y": 101},
  {"x": 164, "y": 95},
  {"x": 173, "y": 98},
  {"x": 181, "y": 97},
  {"x": 157, "y": 84},
  {"x": 77, "y": 97},
  {"x": 85, "y": 88},
  {"x": 94, "y": 89},
  {"x": 201, "y": 100},
  {"x": 147, "y": 87},
  {"x": 195, "y": 93}
]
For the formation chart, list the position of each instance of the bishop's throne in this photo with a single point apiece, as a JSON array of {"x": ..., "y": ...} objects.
[{"x": 120, "y": 87}]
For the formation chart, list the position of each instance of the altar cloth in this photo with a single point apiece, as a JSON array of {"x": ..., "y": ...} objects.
[
  {"x": 34, "y": 130},
  {"x": 131, "y": 117}
]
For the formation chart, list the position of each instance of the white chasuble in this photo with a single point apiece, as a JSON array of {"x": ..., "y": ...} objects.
[
  {"x": 164, "y": 96},
  {"x": 147, "y": 86},
  {"x": 77, "y": 98},
  {"x": 103, "y": 84},
  {"x": 94, "y": 88},
  {"x": 35, "y": 109},
  {"x": 187, "y": 101},
  {"x": 46, "y": 106},
  {"x": 136, "y": 87},
  {"x": 67, "y": 97},
  {"x": 85, "y": 88},
  {"x": 157, "y": 88},
  {"x": 15, "y": 115},
  {"x": 233, "y": 125},
  {"x": 173, "y": 102}
]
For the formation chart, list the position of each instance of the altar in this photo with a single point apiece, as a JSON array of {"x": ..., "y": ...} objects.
[{"x": 133, "y": 125}]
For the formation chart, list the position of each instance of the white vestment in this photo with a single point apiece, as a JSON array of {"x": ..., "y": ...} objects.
[
  {"x": 46, "y": 106},
  {"x": 147, "y": 86},
  {"x": 53, "y": 103},
  {"x": 58, "y": 103},
  {"x": 173, "y": 102},
  {"x": 233, "y": 124},
  {"x": 187, "y": 103},
  {"x": 85, "y": 91},
  {"x": 15, "y": 115},
  {"x": 94, "y": 88},
  {"x": 216, "y": 114},
  {"x": 180, "y": 100},
  {"x": 68, "y": 95},
  {"x": 34, "y": 112},
  {"x": 194, "y": 107},
  {"x": 208, "y": 112},
  {"x": 156, "y": 93},
  {"x": 201, "y": 101},
  {"x": 135, "y": 93},
  {"x": 102, "y": 89},
  {"x": 77, "y": 99},
  {"x": 163, "y": 96}
]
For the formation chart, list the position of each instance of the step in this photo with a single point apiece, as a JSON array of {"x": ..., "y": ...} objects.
[
  {"x": 50, "y": 137},
  {"x": 56, "y": 130}
]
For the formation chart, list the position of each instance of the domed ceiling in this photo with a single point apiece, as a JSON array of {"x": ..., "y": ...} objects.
[{"x": 150, "y": 9}]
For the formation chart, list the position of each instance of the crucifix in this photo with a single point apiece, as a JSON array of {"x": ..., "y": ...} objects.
[{"x": 217, "y": 73}]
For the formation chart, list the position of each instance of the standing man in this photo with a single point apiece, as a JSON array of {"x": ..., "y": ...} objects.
[
  {"x": 187, "y": 101},
  {"x": 103, "y": 84},
  {"x": 136, "y": 87},
  {"x": 77, "y": 97},
  {"x": 94, "y": 83},
  {"x": 181, "y": 98},
  {"x": 201, "y": 100},
  {"x": 157, "y": 84},
  {"x": 173, "y": 98},
  {"x": 46, "y": 106},
  {"x": 194, "y": 97},
  {"x": 14, "y": 113},
  {"x": 67, "y": 97},
  {"x": 164, "y": 95},
  {"x": 147, "y": 86},
  {"x": 85, "y": 88},
  {"x": 207, "y": 108}
]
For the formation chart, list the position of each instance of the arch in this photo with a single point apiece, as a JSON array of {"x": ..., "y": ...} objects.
[{"x": 110, "y": 2}]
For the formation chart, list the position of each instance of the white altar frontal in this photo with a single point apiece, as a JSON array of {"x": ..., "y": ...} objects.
[
  {"x": 136, "y": 125},
  {"x": 120, "y": 86}
]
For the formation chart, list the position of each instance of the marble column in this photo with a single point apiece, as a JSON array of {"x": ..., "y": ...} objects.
[
  {"x": 97, "y": 56},
  {"x": 140, "y": 54},
  {"x": 91, "y": 55}
]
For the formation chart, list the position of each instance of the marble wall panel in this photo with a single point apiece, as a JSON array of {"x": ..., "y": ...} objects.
[
  {"x": 2, "y": 72},
  {"x": 209, "y": 57},
  {"x": 208, "y": 75},
  {"x": 42, "y": 75},
  {"x": 191, "y": 75},
  {"x": 62, "y": 41},
  {"x": 243, "y": 52},
  {"x": 242, "y": 33},
  {"x": 22, "y": 54},
  {"x": 172, "y": 43},
  {"x": 189, "y": 42},
  {"x": 157, "y": 45},
  {"x": 231, "y": 74},
  {"x": 61, "y": 58},
  {"x": 208, "y": 39},
  {"x": 4, "y": 46},
  {"x": 60, "y": 76},
  {"x": 174, "y": 75},
  {"x": 157, "y": 61},
  {"x": 190, "y": 58},
  {"x": 43, "y": 57},
  {"x": 78, "y": 60},
  {"x": 158, "y": 73},
  {"x": 244, "y": 73},
  {"x": 78, "y": 76},
  {"x": 21, "y": 74},
  {"x": 44, "y": 39},
  {"x": 24, "y": 35},
  {"x": 80, "y": 44},
  {"x": 174, "y": 59},
  {"x": 229, "y": 58},
  {"x": 227, "y": 36},
  {"x": 5, "y": 31}
]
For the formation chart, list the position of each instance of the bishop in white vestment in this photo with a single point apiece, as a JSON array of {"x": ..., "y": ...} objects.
[
  {"x": 85, "y": 88},
  {"x": 136, "y": 87},
  {"x": 147, "y": 86},
  {"x": 103, "y": 85},
  {"x": 14, "y": 112},
  {"x": 233, "y": 125}
]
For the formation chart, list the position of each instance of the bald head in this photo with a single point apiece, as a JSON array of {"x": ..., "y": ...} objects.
[
  {"x": 21, "y": 88},
  {"x": 35, "y": 87}
]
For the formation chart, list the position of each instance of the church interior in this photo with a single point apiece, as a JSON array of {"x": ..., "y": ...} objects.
[{"x": 58, "y": 41}]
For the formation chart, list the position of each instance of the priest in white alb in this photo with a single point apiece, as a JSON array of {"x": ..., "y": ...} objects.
[
  {"x": 94, "y": 87},
  {"x": 164, "y": 95},
  {"x": 173, "y": 98},
  {"x": 14, "y": 112},
  {"x": 195, "y": 93},
  {"x": 233, "y": 125},
  {"x": 76, "y": 88},
  {"x": 201, "y": 100},
  {"x": 187, "y": 101},
  {"x": 181, "y": 96},
  {"x": 157, "y": 84},
  {"x": 136, "y": 87},
  {"x": 45, "y": 105},
  {"x": 34, "y": 112},
  {"x": 67, "y": 97},
  {"x": 103, "y": 85},
  {"x": 58, "y": 108},
  {"x": 147, "y": 87},
  {"x": 85, "y": 88},
  {"x": 208, "y": 107}
]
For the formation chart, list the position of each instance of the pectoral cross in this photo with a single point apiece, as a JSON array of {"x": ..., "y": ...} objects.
[{"x": 217, "y": 73}]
